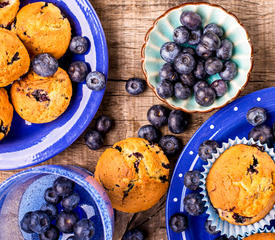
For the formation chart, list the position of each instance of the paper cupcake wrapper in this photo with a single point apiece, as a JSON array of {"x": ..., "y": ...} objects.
[
  {"x": 265, "y": 230},
  {"x": 225, "y": 227}
]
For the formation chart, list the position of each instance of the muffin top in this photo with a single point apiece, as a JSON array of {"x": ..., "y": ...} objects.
[
  {"x": 261, "y": 236},
  {"x": 6, "y": 113},
  {"x": 241, "y": 184},
  {"x": 8, "y": 11}
]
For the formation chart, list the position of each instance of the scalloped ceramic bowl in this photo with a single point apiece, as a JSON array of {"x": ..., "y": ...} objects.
[{"x": 162, "y": 31}]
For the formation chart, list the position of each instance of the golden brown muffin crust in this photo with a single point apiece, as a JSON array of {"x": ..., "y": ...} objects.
[
  {"x": 6, "y": 113},
  {"x": 8, "y": 11},
  {"x": 261, "y": 236}
]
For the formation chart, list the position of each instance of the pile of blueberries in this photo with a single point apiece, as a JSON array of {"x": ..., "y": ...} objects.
[
  {"x": 49, "y": 222},
  {"x": 195, "y": 54}
]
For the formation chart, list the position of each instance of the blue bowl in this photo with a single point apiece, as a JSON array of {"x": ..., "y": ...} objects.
[
  {"x": 29, "y": 144},
  {"x": 23, "y": 192}
]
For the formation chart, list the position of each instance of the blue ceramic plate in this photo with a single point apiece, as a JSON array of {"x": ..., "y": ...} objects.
[
  {"x": 226, "y": 123},
  {"x": 28, "y": 144}
]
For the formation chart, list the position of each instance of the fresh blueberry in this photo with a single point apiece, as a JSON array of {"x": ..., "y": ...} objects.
[
  {"x": 188, "y": 79},
  {"x": 170, "y": 144},
  {"x": 71, "y": 238},
  {"x": 135, "y": 86},
  {"x": 193, "y": 204},
  {"x": 50, "y": 209},
  {"x": 182, "y": 91},
  {"x": 263, "y": 134},
  {"x": 167, "y": 72},
  {"x": 220, "y": 87},
  {"x": 223, "y": 237},
  {"x": 96, "y": 81},
  {"x": 229, "y": 71},
  {"x": 150, "y": 133},
  {"x": 207, "y": 148},
  {"x": 94, "y": 140},
  {"x": 158, "y": 115},
  {"x": 65, "y": 222},
  {"x": 209, "y": 228},
  {"x": 79, "y": 45},
  {"x": 51, "y": 196},
  {"x": 273, "y": 128},
  {"x": 44, "y": 65},
  {"x": 103, "y": 124},
  {"x": 232, "y": 238},
  {"x": 63, "y": 186},
  {"x": 210, "y": 41},
  {"x": 78, "y": 71},
  {"x": 205, "y": 96},
  {"x": 184, "y": 63},
  {"x": 169, "y": 51},
  {"x": 189, "y": 50},
  {"x": 133, "y": 234},
  {"x": 178, "y": 121},
  {"x": 195, "y": 37},
  {"x": 181, "y": 35},
  {"x": 178, "y": 222},
  {"x": 225, "y": 51},
  {"x": 165, "y": 89},
  {"x": 213, "y": 27},
  {"x": 51, "y": 234},
  {"x": 192, "y": 180},
  {"x": 25, "y": 223},
  {"x": 199, "y": 71},
  {"x": 84, "y": 229},
  {"x": 200, "y": 85},
  {"x": 203, "y": 52},
  {"x": 191, "y": 20},
  {"x": 39, "y": 222},
  {"x": 213, "y": 65},
  {"x": 256, "y": 116},
  {"x": 69, "y": 203}
]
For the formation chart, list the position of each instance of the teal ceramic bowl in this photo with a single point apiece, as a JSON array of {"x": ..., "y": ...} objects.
[{"x": 162, "y": 32}]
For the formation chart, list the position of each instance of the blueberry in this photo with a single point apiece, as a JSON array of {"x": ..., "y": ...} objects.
[
  {"x": 209, "y": 228},
  {"x": 94, "y": 140},
  {"x": 178, "y": 222},
  {"x": 188, "y": 79},
  {"x": 184, "y": 63},
  {"x": 51, "y": 196},
  {"x": 50, "y": 209},
  {"x": 78, "y": 71},
  {"x": 207, "y": 148},
  {"x": 203, "y": 52},
  {"x": 220, "y": 87},
  {"x": 25, "y": 223},
  {"x": 96, "y": 81},
  {"x": 158, "y": 115},
  {"x": 200, "y": 85},
  {"x": 170, "y": 144},
  {"x": 205, "y": 96},
  {"x": 195, "y": 37},
  {"x": 135, "y": 86},
  {"x": 167, "y": 72},
  {"x": 63, "y": 186},
  {"x": 169, "y": 51},
  {"x": 44, "y": 65},
  {"x": 133, "y": 234},
  {"x": 150, "y": 133},
  {"x": 79, "y": 45},
  {"x": 71, "y": 238},
  {"x": 84, "y": 229},
  {"x": 192, "y": 180},
  {"x": 256, "y": 116},
  {"x": 210, "y": 41},
  {"x": 223, "y": 237},
  {"x": 262, "y": 133},
  {"x": 214, "y": 28},
  {"x": 69, "y": 203},
  {"x": 199, "y": 71},
  {"x": 189, "y": 50},
  {"x": 51, "y": 234},
  {"x": 191, "y": 20},
  {"x": 213, "y": 65},
  {"x": 103, "y": 124},
  {"x": 193, "y": 204},
  {"x": 178, "y": 121},
  {"x": 65, "y": 222},
  {"x": 229, "y": 71},
  {"x": 273, "y": 128},
  {"x": 182, "y": 91},
  {"x": 39, "y": 222},
  {"x": 225, "y": 51},
  {"x": 181, "y": 35},
  {"x": 165, "y": 89}
]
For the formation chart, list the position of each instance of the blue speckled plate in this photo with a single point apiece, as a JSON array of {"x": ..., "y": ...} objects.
[
  {"x": 28, "y": 144},
  {"x": 226, "y": 123}
]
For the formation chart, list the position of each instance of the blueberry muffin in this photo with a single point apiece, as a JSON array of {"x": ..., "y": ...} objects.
[
  {"x": 8, "y": 11},
  {"x": 241, "y": 184},
  {"x": 134, "y": 173},
  {"x": 6, "y": 113},
  {"x": 261, "y": 236},
  {"x": 14, "y": 58},
  {"x": 43, "y": 29},
  {"x": 42, "y": 99}
]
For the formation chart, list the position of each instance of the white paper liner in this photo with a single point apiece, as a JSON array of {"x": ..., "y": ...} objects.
[{"x": 265, "y": 230}]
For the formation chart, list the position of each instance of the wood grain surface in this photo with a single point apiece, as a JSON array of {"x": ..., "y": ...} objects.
[{"x": 125, "y": 23}]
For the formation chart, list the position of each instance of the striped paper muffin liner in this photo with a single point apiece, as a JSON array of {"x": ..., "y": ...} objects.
[{"x": 265, "y": 230}]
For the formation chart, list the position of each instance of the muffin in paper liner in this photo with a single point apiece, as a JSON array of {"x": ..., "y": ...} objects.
[
  {"x": 225, "y": 227},
  {"x": 264, "y": 230}
]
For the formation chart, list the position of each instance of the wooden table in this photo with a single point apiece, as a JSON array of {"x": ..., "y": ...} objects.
[{"x": 125, "y": 23}]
